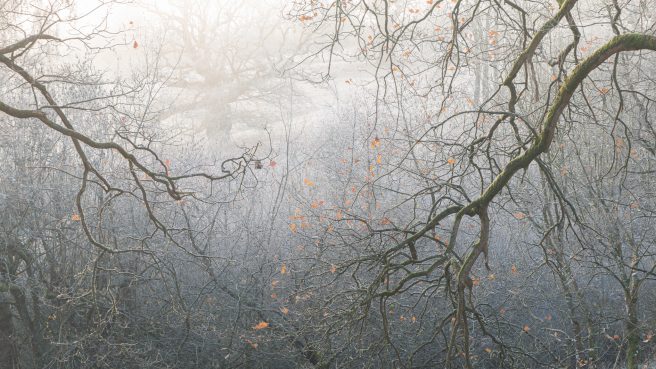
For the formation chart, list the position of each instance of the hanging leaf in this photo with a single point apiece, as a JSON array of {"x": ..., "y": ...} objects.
[
  {"x": 308, "y": 182},
  {"x": 317, "y": 203},
  {"x": 283, "y": 269},
  {"x": 375, "y": 143},
  {"x": 619, "y": 143},
  {"x": 76, "y": 217},
  {"x": 451, "y": 161},
  {"x": 519, "y": 215},
  {"x": 135, "y": 44},
  {"x": 261, "y": 325},
  {"x": 167, "y": 165}
]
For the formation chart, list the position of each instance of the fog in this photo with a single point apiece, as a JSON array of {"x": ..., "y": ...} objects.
[{"x": 327, "y": 184}]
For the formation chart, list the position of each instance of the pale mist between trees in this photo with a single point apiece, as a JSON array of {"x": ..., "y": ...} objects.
[{"x": 327, "y": 184}]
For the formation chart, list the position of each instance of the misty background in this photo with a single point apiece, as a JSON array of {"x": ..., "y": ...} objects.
[{"x": 327, "y": 184}]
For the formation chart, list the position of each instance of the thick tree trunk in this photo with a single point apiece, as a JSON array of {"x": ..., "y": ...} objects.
[{"x": 632, "y": 328}]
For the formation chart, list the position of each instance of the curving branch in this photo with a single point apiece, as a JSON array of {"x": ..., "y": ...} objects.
[{"x": 541, "y": 144}]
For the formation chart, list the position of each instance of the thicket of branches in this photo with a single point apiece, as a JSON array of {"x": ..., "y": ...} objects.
[{"x": 483, "y": 198}]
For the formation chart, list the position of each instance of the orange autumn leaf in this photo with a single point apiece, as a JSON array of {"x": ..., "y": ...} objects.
[
  {"x": 298, "y": 213},
  {"x": 603, "y": 90},
  {"x": 513, "y": 269},
  {"x": 167, "y": 166},
  {"x": 488, "y": 350},
  {"x": 491, "y": 277},
  {"x": 526, "y": 328},
  {"x": 293, "y": 227},
  {"x": 283, "y": 269},
  {"x": 261, "y": 325},
  {"x": 379, "y": 158},
  {"x": 284, "y": 310},
  {"x": 451, "y": 161},
  {"x": 135, "y": 44},
  {"x": 333, "y": 268},
  {"x": 519, "y": 215},
  {"x": 375, "y": 143},
  {"x": 76, "y": 217},
  {"x": 308, "y": 182}
]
